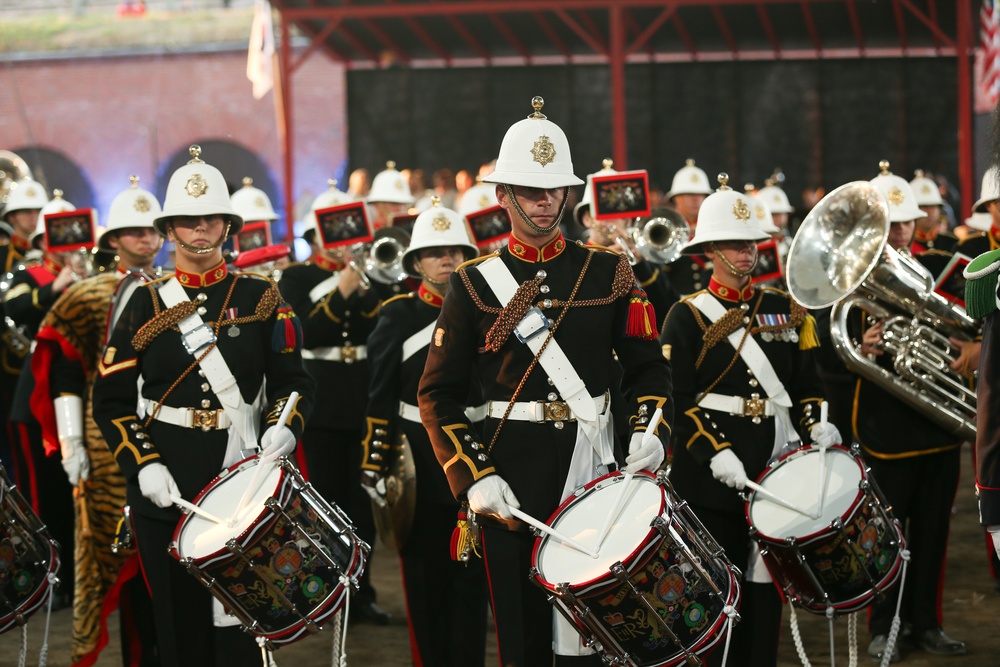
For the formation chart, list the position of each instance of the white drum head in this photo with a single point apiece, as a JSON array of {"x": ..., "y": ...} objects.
[
  {"x": 582, "y": 521},
  {"x": 201, "y": 537},
  {"x": 797, "y": 480}
]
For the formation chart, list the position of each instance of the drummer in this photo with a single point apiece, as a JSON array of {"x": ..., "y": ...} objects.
[
  {"x": 187, "y": 429},
  {"x": 584, "y": 304},
  {"x": 744, "y": 385}
]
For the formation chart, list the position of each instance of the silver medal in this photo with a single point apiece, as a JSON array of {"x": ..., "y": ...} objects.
[
  {"x": 234, "y": 331},
  {"x": 767, "y": 336},
  {"x": 794, "y": 336}
]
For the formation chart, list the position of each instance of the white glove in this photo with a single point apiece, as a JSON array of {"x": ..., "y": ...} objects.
[
  {"x": 277, "y": 441},
  {"x": 995, "y": 534},
  {"x": 374, "y": 485},
  {"x": 69, "y": 426},
  {"x": 644, "y": 457},
  {"x": 825, "y": 434},
  {"x": 157, "y": 484},
  {"x": 492, "y": 495},
  {"x": 728, "y": 469}
]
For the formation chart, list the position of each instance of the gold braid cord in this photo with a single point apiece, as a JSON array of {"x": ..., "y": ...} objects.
[{"x": 527, "y": 294}]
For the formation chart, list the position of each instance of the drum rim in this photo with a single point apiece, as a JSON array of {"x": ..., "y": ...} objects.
[
  {"x": 282, "y": 488},
  {"x": 813, "y": 536},
  {"x": 38, "y": 596},
  {"x": 628, "y": 562}
]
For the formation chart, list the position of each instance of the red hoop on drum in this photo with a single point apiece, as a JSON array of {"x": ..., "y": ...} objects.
[
  {"x": 844, "y": 558},
  {"x": 658, "y": 592},
  {"x": 286, "y": 565}
]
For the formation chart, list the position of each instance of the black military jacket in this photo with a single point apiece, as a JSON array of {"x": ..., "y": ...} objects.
[
  {"x": 689, "y": 273},
  {"x": 31, "y": 295},
  {"x": 704, "y": 361},
  {"x": 12, "y": 353},
  {"x": 534, "y": 457},
  {"x": 255, "y": 336},
  {"x": 941, "y": 241},
  {"x": 393, "y": 380},
  {"x": 341, "y": 386}
]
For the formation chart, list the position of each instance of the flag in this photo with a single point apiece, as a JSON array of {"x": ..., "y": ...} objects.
[
  {"x": 988, "y": 88},
  {"x": 260, "y": 54}
]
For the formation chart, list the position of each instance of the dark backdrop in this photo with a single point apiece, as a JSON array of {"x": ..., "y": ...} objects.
[{"x": 823, "y": 122}]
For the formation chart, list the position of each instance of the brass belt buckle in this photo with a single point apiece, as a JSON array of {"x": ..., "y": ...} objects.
[
  {"x": 206, "y": 420},
  {"x": 556, "y": 411},
  {"x": 754, "y": 407},
  {"x": 348, "y": 354}
]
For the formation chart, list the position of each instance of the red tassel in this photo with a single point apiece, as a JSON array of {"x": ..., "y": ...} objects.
[{"x": 641, "y": 321}]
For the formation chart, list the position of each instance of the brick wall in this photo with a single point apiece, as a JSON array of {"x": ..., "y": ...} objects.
[{"x": 119, "y": 115}]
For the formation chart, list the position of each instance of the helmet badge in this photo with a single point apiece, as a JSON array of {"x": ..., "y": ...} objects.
[
  {"x": 896, "y": 196},
  {"x": 543, "y": 151},
  {"x": 141, "y": 204},
  {"x": 196, "y": 186},
  {"x": 741, "y": 210},
  {"x": 441, "y": 224}
]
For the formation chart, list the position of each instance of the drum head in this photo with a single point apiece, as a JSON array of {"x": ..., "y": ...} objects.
[
  {"x": 582, "y": 520},
  {"x": 797, "y": 480},
  {"x": 200, "y": 537}
]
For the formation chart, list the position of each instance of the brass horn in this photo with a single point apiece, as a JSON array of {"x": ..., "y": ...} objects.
[
  {"x": 840, "y": 257},
  {"x": 12, "y": 169},
  {"x": 661, "y": 236}
]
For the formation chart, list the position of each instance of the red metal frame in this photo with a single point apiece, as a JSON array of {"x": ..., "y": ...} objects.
[{"x": 615, "y": 48}]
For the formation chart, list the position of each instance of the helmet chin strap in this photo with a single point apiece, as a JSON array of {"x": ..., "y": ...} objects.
[
  {"x": 509, "y": 189},
  {"x": 729, "y": 265},
  {"x": 206, "y": 250},
  {"x": 440, "y": 285}
]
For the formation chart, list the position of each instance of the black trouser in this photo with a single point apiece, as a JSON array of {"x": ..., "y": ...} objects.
[
  {"x": 921, "y": 491},
  {"x": 755, "y": 637},
  {"x": 333, "y": 467},
  {"x": 445, "y": 599},
  {"x": 522, "y": 614},
  {"x": 182, "y": 607}
]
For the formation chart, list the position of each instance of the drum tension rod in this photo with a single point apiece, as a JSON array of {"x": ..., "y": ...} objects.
[
  {"x": 272, "y": 505},
  {"x": 276, "y": 593},
  {"x": 220, "y": 593},
  {"x": 600, "y": 640}
]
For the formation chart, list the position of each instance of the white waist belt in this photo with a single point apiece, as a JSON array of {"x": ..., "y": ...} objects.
[
  {"x": 411, "y": 413},
  {"x": 206, "y": 420},
  {"x": 540, "y": 411},
  {"x": 347, "y": 354},
  {"x": 738, "y": 405}
]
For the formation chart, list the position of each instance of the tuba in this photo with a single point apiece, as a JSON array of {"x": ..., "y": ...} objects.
[{"x": 840, "y": 257}]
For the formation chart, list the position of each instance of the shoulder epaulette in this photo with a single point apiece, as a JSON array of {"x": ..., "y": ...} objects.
[
  {"x": 408, "y": 295},
  {"x": 776, "y": 290},
  {"x": 688, "y": 297},
  {"x": 587, "y": 246},
  {"x": 253, "y": 274},
  {"x": 476, "y": 260},
  {"x": 937, "y": 251}
]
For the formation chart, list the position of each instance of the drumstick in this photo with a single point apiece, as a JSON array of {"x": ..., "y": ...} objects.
[
  {"x": 824, "y": 412},
  {"x": 552, "y": 532},
  {"x": 776, "y": 499},
  {"x": 254, "y": 481},
  {"x": 177, "y": 500},
  {"x": 615, "y": 510}
]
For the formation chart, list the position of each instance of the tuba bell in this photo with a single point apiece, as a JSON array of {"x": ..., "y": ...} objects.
[
  {"x": 384, "y": 261},
  {"x": 840, "y": 257},
  {"x": 12, "y": 169}
]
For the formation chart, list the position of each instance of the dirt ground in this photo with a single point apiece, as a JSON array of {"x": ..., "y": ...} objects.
[{"x": 971, "y": 609}]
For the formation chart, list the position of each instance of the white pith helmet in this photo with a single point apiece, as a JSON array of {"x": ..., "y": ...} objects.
[
  {"x": 689, "y": 180},
  {"x": 480, "y": 196},
  {"x": 586, "y": 203},
  {"x": 990, "y": 190},
  {"x": 197, "y": 188},
  {"x": 438, "y": 227},
  {"x": 534, "y": 153},
  {"x": 775, "y": 198},
  {"x": 897, "y": 191},
  {"x": 925, "y": 190},
  {"x": 726, "y": 215},
  {"x": 979, "y": 221},
  {"x": 761, "y": 210},
  {"x": 134, "y": 207},
  {"x": 55, "y": 205},
  {"x": 389, "y": 186},
  {"x": 252, "y": 203},
  {"x": 25, "y": 194},
  {"x": 328, "y": 199}
]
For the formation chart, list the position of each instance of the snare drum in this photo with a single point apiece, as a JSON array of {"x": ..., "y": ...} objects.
[
  {"x": 660, "y": 588},
  {"x": 28, "y": 556},
  {"x": 845, "y": 557},
  {"x": 284, "y": 567}
]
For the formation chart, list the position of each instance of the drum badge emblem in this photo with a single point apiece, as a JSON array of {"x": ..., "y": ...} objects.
[
  {"x": 670, "y": 588},
  {"x": 288, "y": 560},
  {"x": 196, "y": 186},
  {"x": 543, "y": 151},
  {"x": 869, "y": 537}
]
